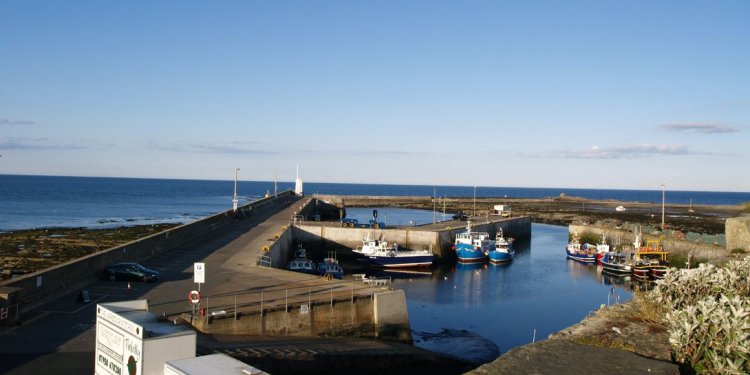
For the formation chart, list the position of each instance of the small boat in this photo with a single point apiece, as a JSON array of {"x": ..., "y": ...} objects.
[
  {"x": 650, "y": 260},
  {"x": 602, "y": 248},
  {"x": 330, "y": 268},
  {"x": 503, "y": 251},
  {"x": 380, "y": 253},
  {"x": 616, "y": 263},
  {"x": 300, "y": 263},
  {"x": 472, "y": 246},
  {"x": 584, "y": 254},
  {"x": 619, "y": 208}
]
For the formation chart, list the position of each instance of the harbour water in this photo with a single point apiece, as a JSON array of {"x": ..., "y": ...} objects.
[{"x": 50, "y": 201}]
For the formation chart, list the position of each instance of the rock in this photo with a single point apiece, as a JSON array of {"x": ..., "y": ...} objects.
[{"x": 562, "y": 356}]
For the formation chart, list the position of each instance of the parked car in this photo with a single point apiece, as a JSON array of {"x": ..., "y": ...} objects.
[{"x": 129, "y": 272}]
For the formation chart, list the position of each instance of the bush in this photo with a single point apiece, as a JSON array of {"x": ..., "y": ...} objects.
[
  {"x": 586, "y": 237},
  {"x": 738, "y": 251},
  {"x": 708, "y": 316}
]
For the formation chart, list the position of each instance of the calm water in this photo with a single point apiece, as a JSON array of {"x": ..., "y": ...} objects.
[
  {"x": 540, "y": 290},
  {"x": 48, "y": 201}
]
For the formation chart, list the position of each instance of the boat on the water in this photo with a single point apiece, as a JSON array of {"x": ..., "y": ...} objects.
[
  {"x": 503, "y": 251},
  {"x": 584, "y": 254},
  {"x": 472, "y": 246},
  {"x": 650, "y": 260},
  {"x": 301, "y": 263},
  {"x": 330, "y": 268},
  {"x": 382, "y": 254},
  {"x": 616, "y": 263}
]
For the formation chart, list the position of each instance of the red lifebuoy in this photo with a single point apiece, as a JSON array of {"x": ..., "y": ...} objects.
[{"x": 194, "y": 297}]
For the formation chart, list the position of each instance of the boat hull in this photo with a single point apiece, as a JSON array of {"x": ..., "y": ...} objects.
[
  {"x": 400, "y": 261},
  {"x": 470, "y": 254},
  {"x": 500, "y": 257},
  {"x": 583, "y": 258}
]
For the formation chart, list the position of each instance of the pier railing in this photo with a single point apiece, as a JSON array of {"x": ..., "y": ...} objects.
[{"x": 292, "y": 296}]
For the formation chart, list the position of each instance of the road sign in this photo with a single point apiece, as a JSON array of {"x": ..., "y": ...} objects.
[{"x": 199, "y": 273}]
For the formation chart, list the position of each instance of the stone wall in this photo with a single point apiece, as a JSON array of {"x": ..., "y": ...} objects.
[
  {"x": 738, "y": 233},
  {"x": 382, "y": 315},
  {"x": 682, "y": 247}
]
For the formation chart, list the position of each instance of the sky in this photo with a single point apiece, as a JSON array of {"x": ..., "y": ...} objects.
[{"x": 576, "y": 94}]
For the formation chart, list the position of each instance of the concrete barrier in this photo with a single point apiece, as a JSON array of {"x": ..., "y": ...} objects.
[
  {"x": 38, "y": 287},
  {"x": 737, "y": 230},
  {"x": 382, "y": 315}
]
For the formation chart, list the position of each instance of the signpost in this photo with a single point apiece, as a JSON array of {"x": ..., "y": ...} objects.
[{"x": 199, "y": 277}]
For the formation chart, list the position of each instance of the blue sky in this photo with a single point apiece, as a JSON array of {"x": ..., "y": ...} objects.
[{"x": 587, "y": 94}]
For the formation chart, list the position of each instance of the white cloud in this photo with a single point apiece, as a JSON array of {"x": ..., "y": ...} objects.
[
  {"x": 624, "y": 152},
  {"x": 700, "y": 127},
  {"x": 12, "y": 121}
]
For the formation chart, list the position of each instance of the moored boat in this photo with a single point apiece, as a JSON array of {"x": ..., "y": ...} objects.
[
  {"x": 301, "y": 263},
  {"x": 616, "y": 263},
  {"x": 575, "y": 251},
  {"x": 472, "y": 246},
  {"x": 330, "y": 268},
  {"x": 503, "y": 251},
  {"x": 380, "y": 253},
  {"x": 650, "y": 260}
]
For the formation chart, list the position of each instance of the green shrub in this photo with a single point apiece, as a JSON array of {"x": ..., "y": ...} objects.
[
  {"x": 586, "y": 237},
  {"x": 738, "y": 251}
]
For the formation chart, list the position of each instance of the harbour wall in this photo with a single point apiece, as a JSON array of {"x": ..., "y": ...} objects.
[
  {"x": 382, "y": 315},
  {"x": 682, "y": 247},
  {"x": 440, "y": 239},
  {"x": 737, "y": 231},
  {"x": 37, "y": 287}
]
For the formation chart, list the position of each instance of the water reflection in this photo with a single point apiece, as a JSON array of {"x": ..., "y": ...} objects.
[{"x": 540, "y": 290}]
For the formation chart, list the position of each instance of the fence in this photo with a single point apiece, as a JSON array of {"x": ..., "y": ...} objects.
[{"x": 294, "y": 296}]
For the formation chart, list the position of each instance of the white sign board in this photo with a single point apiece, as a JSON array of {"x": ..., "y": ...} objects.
[
  {"x": 119, "y": 344},
  {"x": 199, "y": 273}
]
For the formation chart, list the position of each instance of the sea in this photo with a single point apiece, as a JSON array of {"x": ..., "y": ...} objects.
[
  {"x": 96, "y": 202},
  {"x": 490, "y": 309}
]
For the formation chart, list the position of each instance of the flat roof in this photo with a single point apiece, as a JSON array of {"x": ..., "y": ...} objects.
[{"x": 217, "y": 364}]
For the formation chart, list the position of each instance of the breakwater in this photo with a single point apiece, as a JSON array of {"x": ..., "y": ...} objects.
[{"x": 35, "y": 288}]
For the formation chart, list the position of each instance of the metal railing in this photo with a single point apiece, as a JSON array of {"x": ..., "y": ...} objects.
[{"x": 294, "y": 295}]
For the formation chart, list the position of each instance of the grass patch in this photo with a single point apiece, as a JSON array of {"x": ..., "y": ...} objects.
[
  {"x": 739, "y": 250},
  {"x": 679, "y": 261}
]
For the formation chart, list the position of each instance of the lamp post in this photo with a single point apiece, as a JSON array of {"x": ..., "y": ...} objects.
[
  {"x": 663, "y": 195},
  {"x": 475, "y": 202},
  {"x": 234, "y": 199}
]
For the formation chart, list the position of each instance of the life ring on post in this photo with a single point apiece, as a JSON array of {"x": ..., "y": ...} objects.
[
  {"x": 266, "y": 249},
  {"x": 328, "y": 277},
  {"x": 194, "y": 297}
]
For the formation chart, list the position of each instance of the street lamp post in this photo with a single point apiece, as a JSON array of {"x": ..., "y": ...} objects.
[
  {"x": 475, "y": 202},
  {"x": 234, "y": 199},
  {"x": 663, "y": 196}
]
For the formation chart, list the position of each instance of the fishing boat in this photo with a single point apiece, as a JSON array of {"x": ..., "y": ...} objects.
[
  {"x": 472, "y": 246},
  {"x": 602, "y": 248},
  {"x": 616, "y": 263},
  {"x": 382, "y": 254},
  {"x": 584, "y": 254},
  {"x": 650, "y": 260},
  {"x": 503, "y": 251},
  {"x": 330, "y": 268},
  {"x": 300, "y": 263}
]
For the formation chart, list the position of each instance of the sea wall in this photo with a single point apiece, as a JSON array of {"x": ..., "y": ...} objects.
[
  {"x": 682, "y": 247},
  {"x": 382, "y": 315},
  {"x": 439, "y": 240},
  {"x": 37, "y": 287},
  {"x": 737, "y": 230}
]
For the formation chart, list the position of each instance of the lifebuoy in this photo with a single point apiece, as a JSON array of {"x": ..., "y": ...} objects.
[
  {"x": 266, "y": 249},
  {"x": 328, "y": 277},
  {"x": 194, "y": 297}
]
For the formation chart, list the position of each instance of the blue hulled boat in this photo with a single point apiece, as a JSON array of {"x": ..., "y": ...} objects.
[
  {"x": 330, "y": 268},
  {"x": 473, "y": 246},
  {"x": 576, "y": 252},
  {"x": 301, "y": 263},
  {"x": 380, "y": 253},
  {"x": 503, "y": 251}
]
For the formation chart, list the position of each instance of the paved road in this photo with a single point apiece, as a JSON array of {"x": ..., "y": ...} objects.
[{"x": 59, "y": 337}]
